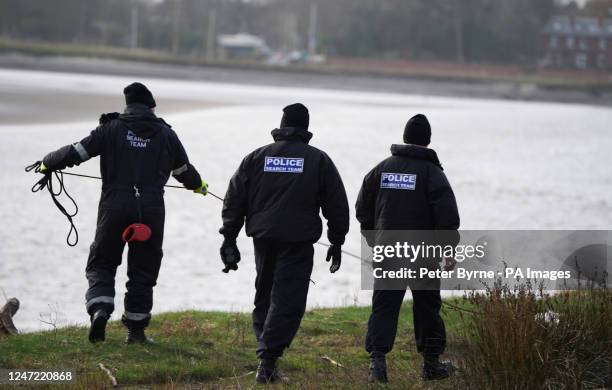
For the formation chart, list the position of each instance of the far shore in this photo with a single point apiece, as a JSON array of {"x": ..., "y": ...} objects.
[{"x": 337, "y": 79}]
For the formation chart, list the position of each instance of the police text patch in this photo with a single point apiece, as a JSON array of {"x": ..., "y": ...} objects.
[
  {"x": 284, "y": 165},
  {"x": 398, "y": 181}
]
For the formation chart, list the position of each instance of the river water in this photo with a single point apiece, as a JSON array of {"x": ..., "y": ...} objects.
[{"x": 513, "y": 165}]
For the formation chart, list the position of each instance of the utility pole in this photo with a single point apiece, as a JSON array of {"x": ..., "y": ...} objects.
[
  {"x": 83, "y": 16},
  {"x": 459, "y": 43},
  {"x": 134, "y": 27},
  {"x": 291, "y": 34},
  {"x": 176, "y": 26},
  {"x": 211, "y": 37},
  {"x": 312, "y": 29}
]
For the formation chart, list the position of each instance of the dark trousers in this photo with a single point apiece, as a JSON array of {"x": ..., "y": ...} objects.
[
  {"x": 116, "y": 212},
  {"x": 429, "y": 330},
  {"x": 283, "y": 277}
]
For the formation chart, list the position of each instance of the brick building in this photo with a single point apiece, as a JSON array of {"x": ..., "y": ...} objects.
[{"x": 578, "y": 42}]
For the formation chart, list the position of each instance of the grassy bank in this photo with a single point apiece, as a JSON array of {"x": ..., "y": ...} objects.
[
  {"x": 217, "y": 350},
  {"x": 501, "y": 339},
  {"x": 592, "y": 84}
]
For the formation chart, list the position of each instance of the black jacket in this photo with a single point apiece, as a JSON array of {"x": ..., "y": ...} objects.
[
  {"x": 407, "y": 191},
  {"x": 280, "y": 188},
  {"x": 135, "y": 148}
]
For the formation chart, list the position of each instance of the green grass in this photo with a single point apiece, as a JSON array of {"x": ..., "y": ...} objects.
[
  {"x": 498, "y": 338},
  {"x": 211, "y": 349}
]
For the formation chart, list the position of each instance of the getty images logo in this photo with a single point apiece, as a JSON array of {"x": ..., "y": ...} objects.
[
  {"x": 284, "y": 165},
  {"x": 398, "y": 181}
]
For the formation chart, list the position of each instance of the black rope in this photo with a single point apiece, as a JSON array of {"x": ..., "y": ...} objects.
[
  {"x": 45, "y": 180},
  {"x": 48, "y": 182},
  {"x": 167, "y": 185},
  {"x": 343, "y": 251}
]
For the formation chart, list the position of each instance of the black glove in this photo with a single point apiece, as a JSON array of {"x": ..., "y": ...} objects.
[
  {"x": 230, "y": 255},
  {"x": 335, "y": 254}
]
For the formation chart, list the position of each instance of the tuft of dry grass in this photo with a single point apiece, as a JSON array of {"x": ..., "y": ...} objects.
[{"x": 523, "y": 338}]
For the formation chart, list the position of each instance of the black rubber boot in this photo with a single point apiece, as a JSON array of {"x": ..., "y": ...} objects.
[
  {"x": 268, "y": 373},
  {"x": 97, "y": 330},
  {"x": 137, "y": 336},
  {"x": 434, "y": 370},
  {"x": 378, "y": 368}
]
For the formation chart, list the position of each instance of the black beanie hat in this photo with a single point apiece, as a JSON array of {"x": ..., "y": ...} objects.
[
  {"x": 295, "y": 115},
  {"x": 138, "y": 93},
  {"x": 418, "y": 131}
]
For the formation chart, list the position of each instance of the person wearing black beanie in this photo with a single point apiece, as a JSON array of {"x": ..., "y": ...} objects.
[
  {"x": 408, "y": 191},
  {"x": 139, "y": 152},
  {"x": 418, "y": 131},
  {"x": 279, "y": 191},
  {"x": 295, "y": 115},
  {"x": 137, "y": 93}
]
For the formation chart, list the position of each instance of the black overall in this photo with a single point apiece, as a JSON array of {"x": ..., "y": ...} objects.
[
  {"x": 428, "y": 205},
  {"x": 281, "y": 208},
  {"x": 138, "y": 153}
]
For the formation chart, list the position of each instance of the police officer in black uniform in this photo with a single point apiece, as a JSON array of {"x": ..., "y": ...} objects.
[
  {"x": 138, "y": 153},
  {"x": 279, "y": 190},
  {"x": 428, "y": 203}
]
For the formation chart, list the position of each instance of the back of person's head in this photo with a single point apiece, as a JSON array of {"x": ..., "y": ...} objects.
[
  {"x": 137, "y": 93},
  {"x": 418, "y": 131},
  {"x": 295, "y": 115}
]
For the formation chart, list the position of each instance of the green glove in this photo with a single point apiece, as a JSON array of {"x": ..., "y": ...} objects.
[{"x": 203, "y": 189}]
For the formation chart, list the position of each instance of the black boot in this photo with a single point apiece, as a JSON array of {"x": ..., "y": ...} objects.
[
  {"x": 434, "y": 370},
  {"x": 137, "y": 335},
  {"x": 97, "y": 330},
  {"x": 378, "y": 368},
  {"x": 268, "y": 373}
]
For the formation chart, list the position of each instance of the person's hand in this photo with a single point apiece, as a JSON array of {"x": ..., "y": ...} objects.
[
  {"x": 230, "y": 255},
  {"x": 202, "y": 189},
  {"x": 38, "y": 167},
  {"x": 43, "y": 168},
  {"x": 334, "y": 253}
]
